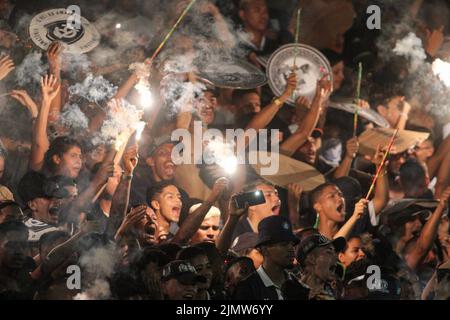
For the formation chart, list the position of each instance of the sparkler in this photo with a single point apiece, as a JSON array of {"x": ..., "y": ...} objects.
[
  {"x": 229, "y": 164},
  {"x": 5, "y": 94},
  {"x": 146, "y": 96},
  {"x": 383, "y": 161},
  {"x": 169, "y": 34},
  {"x": 358, "y": 92}
]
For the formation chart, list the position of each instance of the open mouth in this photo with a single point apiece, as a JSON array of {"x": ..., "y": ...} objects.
[
  {"x": 276, "y": 209},
  {"x": 340, "y": 208},
  {"x": 176, "y": 211},
  {"x": 169, "y": 167},
  {"x": 188, "y": 296}
]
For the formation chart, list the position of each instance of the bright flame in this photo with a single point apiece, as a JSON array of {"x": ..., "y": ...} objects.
[
  {"x": 229, "y": 164},
  {"x": 139, "y": 129},
  {"x": 146, "y": 96},
  {"x": 118, "y": 26},
  {"x": 442, "y": 70}
]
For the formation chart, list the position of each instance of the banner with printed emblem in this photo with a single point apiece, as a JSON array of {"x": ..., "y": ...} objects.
[{"x": 76, "y": 33}]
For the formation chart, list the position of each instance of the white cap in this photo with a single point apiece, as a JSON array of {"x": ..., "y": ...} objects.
[{"x": 213, "y": 212}]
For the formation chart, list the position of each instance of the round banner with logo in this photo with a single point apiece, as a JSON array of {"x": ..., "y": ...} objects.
[{"x": 76, "y": 33}]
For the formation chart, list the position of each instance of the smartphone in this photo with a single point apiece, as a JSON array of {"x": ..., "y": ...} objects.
[{"x": 249, "y": 199}]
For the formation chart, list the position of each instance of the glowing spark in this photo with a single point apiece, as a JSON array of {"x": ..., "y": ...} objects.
[
  {"x": 442, "y": 70},
  {"x": 118, "y": 26},
  {"x": 229, "y": 164},
  {"x": 146, "y": 96}
]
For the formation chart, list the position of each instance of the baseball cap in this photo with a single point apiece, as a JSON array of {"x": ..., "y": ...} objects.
[
  {"x": 183, "y": 271},
  {"x": 315, "y": 241},
  {"x": 275, "y": 229},
  {"x": 245, "y": 241},
  {"x": 36, "y": 185}
]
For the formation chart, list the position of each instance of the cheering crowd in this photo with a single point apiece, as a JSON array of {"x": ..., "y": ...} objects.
[{"x": 84, "y": 216}]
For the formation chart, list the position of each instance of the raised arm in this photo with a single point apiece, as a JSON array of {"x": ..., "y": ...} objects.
[
  {"x": 401, "y": 124},
  {"x": 85, "y": 198},
  {"x": 121, "y": 197},
  {"x": 381, "y": 197},
  {"x": 436, "y": 160},
  {"x": 225, "y": 238},
  {"x": 351, "y": 149},
  {"x": 294, "y": 195},
  {"x": 54, "y": 61},
  {"x": 428, "y": 233},
  {"x": 263, "y": 118},
  {"x": 24, "y": 99},
  {"x": 195, "y": 219},
  {"x": 40, "y": 143},
  {"x": 63, "y": 251},
  {"x": 323, "y": 90},
  {"x": 347, "y": 228}
]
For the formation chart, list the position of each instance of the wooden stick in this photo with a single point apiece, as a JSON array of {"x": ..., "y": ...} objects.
[
  {"x": 297, "y": 36},
  {"x": 391, "y": 143},
  {"x": 357, "y": 95}
]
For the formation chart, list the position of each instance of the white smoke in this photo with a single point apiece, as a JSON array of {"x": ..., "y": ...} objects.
[
  {"x": 442, "y": 70},
  {"x": 94, "y": 89},
  {"x": 73, "y": 118},
  {"x": 99, "y": 264},
  {"x": 122, "y": 116},
  {"x": 30, "y": 71},
  {"x": 411, "y": 48},
  {"x": 73, "y": 64}
]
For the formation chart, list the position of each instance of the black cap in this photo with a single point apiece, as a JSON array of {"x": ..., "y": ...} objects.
[
  {"x": 183, "y": 271},
  {"x": 406, "y": 209},
  {"x": 245, "y": 241},
  {"x": 308, "y": 244},
  {"x": 36, "y": 185},
  {"x": 275, "y": 229},
  {"x": 31, "y": 186}
]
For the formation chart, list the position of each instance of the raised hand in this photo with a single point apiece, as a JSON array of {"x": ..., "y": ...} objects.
[
  {"x": 324, "y": 88},
  {"x": 378, "y": 157},
  {"x": 352, "y": 147},
  {"x": 291, "y": 84},
  {"x": 53, "y": 54},
  {"x": 135, "y": 215},
  {"x": 130, "y": 159},
  {"x": 6, "y": 66},
  {"x": 49, "y": 87},
  {"x": 295, "y": 191},
  {"x": 24, "y": 99},
  {"x": 360, "y": 208},
  {"x": 218, "y": 188},
  {"x": 235, "y": 211}
]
